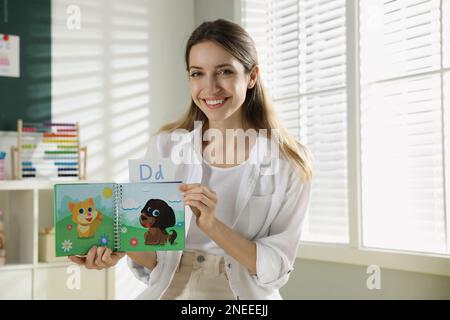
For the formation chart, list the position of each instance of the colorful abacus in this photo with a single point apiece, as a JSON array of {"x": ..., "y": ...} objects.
[{"x": 48, "y": 150}]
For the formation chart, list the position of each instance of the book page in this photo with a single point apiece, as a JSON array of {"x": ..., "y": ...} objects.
[
  {"x": 84, "y": 217},
  {"x": 151, "y": 217},
  {"x": 151, "y": 170}
]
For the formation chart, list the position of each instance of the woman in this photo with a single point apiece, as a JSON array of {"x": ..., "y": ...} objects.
[{"x": 249, "y": 209}]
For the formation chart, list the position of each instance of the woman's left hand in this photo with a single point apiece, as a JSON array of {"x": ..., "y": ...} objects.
[{"x": 203, "y": 202}]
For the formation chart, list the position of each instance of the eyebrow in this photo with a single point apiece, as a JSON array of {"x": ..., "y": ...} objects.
[{"x": 218, "y": 66}]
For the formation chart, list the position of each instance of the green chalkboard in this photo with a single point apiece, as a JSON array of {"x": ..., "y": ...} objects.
[{"x": 29, "y": 96}]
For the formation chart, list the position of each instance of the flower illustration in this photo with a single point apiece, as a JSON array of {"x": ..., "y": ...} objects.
[
  {"x": 103, "y": 241},
  {"x": 124, "y": 230},
  {"x": 134, "y": 242},
  {"x": 66, "y": 245}
]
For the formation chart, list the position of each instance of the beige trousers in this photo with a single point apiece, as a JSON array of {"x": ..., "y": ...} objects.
[{"x": 199, "y": 276}]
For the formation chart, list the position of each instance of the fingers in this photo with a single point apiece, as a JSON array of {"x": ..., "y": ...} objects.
[
  {"x": 190, "y": 186},
  {"x": 90, "y": 259},
  {"x": 198, "y": 188},
  {"x": 194, "y": 210},
  {"x": 184, "y": 187},
  {"x": 199, "y": 197},
  {"x": 99, "y": 257},
  {"x": 199, "y": 205},
  {"x": 110, "y": 258},
  {"x": 106, "y": 258}
]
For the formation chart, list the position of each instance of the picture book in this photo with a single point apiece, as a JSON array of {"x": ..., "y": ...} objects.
[{"x": 141, "y": 216}]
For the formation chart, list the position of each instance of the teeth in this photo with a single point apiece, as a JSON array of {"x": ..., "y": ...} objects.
[{"x": 213, "y": 102}]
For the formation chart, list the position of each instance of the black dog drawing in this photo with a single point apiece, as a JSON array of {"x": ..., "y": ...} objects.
[{"x": 156, "y": 216}]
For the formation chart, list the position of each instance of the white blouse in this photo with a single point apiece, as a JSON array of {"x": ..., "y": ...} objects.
[
  {"x": 225, "y": 182},
  {"x": 271, "y": 204}
]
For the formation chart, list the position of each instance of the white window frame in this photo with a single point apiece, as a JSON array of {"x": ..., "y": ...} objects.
[{"x": 354, "y": 252}]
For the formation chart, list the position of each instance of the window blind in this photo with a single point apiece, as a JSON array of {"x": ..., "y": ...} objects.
[
  {"x": 403, "y": 56},
  {"x": 301, "y": 46}
]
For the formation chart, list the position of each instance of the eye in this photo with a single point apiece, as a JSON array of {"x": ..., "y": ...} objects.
[
  {"x": 81, "y": 211},
  {"x": 149, "y": 209},
  {"x": 225, "y": 71},
  {"x": 155, "y": 213},
  {"x": 195, "y": 74},
  {"x": 90, "y": 209}
]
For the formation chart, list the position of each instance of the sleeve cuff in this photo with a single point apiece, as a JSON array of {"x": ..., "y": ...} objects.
[
  {"x": 270, "y": 270},
  {"x": 144, "y": 274},
  {"x": 140, "y": 272}
]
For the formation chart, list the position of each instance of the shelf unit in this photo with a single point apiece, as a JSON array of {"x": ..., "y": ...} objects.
[{"x": 28, "y": 206}]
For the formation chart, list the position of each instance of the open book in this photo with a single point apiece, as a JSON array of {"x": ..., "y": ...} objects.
[{"x": 137, "y": 216}]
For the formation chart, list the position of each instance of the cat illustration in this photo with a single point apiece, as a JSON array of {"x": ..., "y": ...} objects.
[{"x": 87, "y": 218}]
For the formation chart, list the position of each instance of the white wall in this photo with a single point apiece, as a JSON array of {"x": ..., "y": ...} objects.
[
  {"x": 121, "y": 75},
  {"x": 206, "y": 10},
  {"x": 313, "y": 279}
]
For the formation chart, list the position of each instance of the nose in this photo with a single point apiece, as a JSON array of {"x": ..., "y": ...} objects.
[{"x": 213, "y": 85}]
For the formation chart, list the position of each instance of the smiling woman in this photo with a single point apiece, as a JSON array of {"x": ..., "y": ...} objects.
[
  {"x": 248, "y": 218},
  {"x": 218, "y": 83},
  {"x": 223, "y": 68},
  {"x": 228, "y": 95}
]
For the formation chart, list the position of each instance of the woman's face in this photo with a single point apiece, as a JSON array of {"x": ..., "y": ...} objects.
[{"x": 218, "y": 82}]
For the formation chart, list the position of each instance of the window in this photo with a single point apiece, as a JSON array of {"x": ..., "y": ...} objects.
[
  {"x": 302, "y": 51},
  {"x": 403, "y": 116},
  {"x": 403, "y": 81}
]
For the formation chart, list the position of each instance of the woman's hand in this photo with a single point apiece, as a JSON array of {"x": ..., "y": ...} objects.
[
  {"x": 203, "y": 202},
  {"x": 98, "y": 258}
]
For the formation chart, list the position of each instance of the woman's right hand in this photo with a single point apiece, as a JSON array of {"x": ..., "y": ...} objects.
[{"x": 98, "y": 258}]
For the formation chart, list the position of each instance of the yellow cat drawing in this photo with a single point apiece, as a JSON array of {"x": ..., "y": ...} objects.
[{"x": 87, "y": 218}]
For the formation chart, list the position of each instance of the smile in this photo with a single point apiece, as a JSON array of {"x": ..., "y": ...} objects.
[{"x": 215, "y": 103}]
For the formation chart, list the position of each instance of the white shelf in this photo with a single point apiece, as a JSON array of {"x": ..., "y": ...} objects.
[
  {"x": 10, "y": 267},
  {"x": 28, "y": 206},
  {"x": 25, "y": 185},
  {"x": 54, "y": 264},
  {"x": 36, "y": 184}
]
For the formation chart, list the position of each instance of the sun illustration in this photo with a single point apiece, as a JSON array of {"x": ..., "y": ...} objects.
[{"x": 107, "y": 192}]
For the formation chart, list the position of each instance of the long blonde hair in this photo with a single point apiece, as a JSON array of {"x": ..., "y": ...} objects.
[{"x": 257, "y": 110}]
